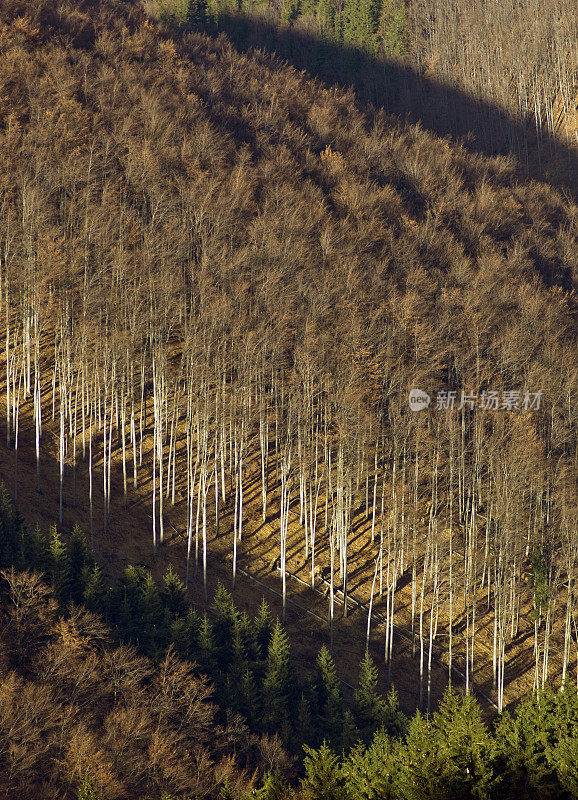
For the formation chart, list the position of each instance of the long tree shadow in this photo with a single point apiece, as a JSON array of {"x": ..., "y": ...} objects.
[{"x": 398, "y": 89}]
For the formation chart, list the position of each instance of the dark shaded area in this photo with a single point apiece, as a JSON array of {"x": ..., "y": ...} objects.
[{"x": 398, "y": 89}]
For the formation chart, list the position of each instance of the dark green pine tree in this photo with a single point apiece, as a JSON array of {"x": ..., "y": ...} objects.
[
  {"x": 196, "y": 13},
  {"x": 370, "y": 705},
  {"x": 59, "y": 569},
  {"x": 329, "y": 700},
  {"x": 391, "y": 33},
  {"x": 326, "y": 17},
  {"x": 360, "y": 23},
  {"x": 276, "y": 683},
  {"x": 305, "y": 732},
  {"x": 155, "y": 624},
  {"x": 36, "y": 550},
  {"x": 371, "y": 772},
  {"x": 95, "y": 594},
  {"x": 185, "y": 633},
  {"x": 324, "y": 778},
  {"x": 80, "y": 563},
  {"x": 449, "y": 757},
  {"x": 9, "y": 539},
  {"x": 173, "y": 593},
  {"x": 224, "y": 617},
  {"x": 206, "y": 655},
  {"x": 290, "y": 10},
  {"x": 248, "y": 698},
  {"x": 263, "y": 629}
]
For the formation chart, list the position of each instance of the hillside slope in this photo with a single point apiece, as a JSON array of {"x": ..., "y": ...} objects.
[{"x": 224, "y": 278}]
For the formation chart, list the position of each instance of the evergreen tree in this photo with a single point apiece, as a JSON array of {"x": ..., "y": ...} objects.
[
  {"x": 206, "y": 646},
  {"x": 174, "y": 594},
  {"x": 95, "y": 594},
  {"x": 276, "y": 683},
  {"x": 329, "y": 700},
  {"x": 391, "y": 28},
  {"x": 360, "y": 23},
  {"x": 290, "y": 10},
  {"x": 369, "y": 701},
  {"x": 324, "y": 779},
  {"x": 304, "y": 730},
  {"x": 80, "y": 563},
  {"x": 59, "y": 567},
  {"x": 450, "y": 757},
  {"x": 371, "y": 772},
  {"x": 36, "y": 550},
  {"x": 263, "y": 629},
  {"x": 10, "y": 540},
  {"x": 249, "y": 698}
]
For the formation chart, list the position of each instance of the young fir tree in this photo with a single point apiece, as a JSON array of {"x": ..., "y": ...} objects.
[
  {"x": 360, "y": 23},
  {"x": 9, "y": 540},
  {"x": 35, "y": 550},
  {"x": 328, "y": 694},
  {"x": 59, "y": 569},
  {"x": 305, "y": 732},
  {"x": 370, "y": 704},
  {"x": 185, "y": 633},
  {"x": 263, "y": 629},
  {"x": 248, "y": 698},
  {"x": 95, "y": 594},
  {"x": 276, "y": 682},
  {"x": 448, "y": 757},
  {"x": 224, "y": 617},
  {"x": 324, "y": 778},
  {"x": 391, "y": 28},
  {"x": 174, "y": 594},
  {"x": 371, "y": 772},
  {"x": 206, "y": 646},
  {"x": 80, "y": 563}
]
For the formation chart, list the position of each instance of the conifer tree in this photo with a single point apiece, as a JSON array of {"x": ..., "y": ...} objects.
[
  {"x": 263, "y": 629},
  {"x": 174, "y": 594},
  {"x": 80, "y": 563},
  {"x": 324, "y": 779},
  {"x": 95, "y": 594},
  {"x": 369, "y": 701},
  {"x": 329, "y": 700},
  {"x": 59, "y": 567},
  {"x": 304, "y": 730},
  {"x": 276, "y": 682},
  {"x": 35, "y": 549},
  {"x": 391, "y": 28},
  {"x": 206, "y": 646}
]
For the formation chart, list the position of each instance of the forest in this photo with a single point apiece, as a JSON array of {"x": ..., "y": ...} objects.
[
  {"x": 223, "y": 284},
  {"x": 127, "y": 691},
  {"x": 518, "y": 57}
]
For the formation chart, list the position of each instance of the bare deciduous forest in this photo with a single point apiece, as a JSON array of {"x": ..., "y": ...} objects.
[{"x": 220, "y": 279}]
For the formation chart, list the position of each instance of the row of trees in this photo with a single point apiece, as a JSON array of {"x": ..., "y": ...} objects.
[
  {"x": 97, "y": 721},
  {"x": 216, "y": 284}
]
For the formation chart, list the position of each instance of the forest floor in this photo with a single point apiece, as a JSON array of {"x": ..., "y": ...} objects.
[{"x": 128, "y": 540}]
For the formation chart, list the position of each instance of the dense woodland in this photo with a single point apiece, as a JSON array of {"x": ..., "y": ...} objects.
[
  {"x": 217, "y": 271},
  {"x": 220, "y": 279},
  {"x": 95, "y": 711},
  {"x": 520, "y": 57}
]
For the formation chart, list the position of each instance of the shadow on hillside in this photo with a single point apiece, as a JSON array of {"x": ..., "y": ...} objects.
[{"x": 482, "y": 127}]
